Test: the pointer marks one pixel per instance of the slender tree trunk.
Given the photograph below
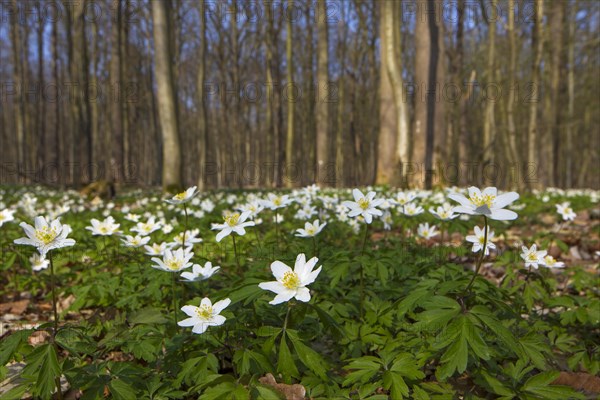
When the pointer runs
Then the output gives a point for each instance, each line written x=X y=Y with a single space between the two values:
x=289 y=144
x=202 y=122
x=570 y=98
x=322 y=115
x=489 y=122
x=513 y=155
x=171 y=174
x=56 y=136
x=41 y=110
x=116 y=145
x=18 y=81
x=532 y=131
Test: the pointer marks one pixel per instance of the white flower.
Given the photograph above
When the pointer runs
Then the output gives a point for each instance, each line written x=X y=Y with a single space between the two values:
x=183 y=197
x=200 y=273
x=403 y=198
x=135 y=241
x=363 y=205
x=310 y=230
x=550 y=262
x=566 y=211
x=44 y=236
x=191 y=237
x=292 y=283
x=254 y=207
x=411 y=210
x=173 y=261
x=204 y=316
x=156 y=249
x=132 y=217
x=275 y=201
x=6 y=216
x=103 y=228
x=387 y=220
x=532 y=257
x=478 y=240
x=233 y=223
x=146 y=228
x=39 y=262
x=425 y=231
x=445 y=212
x=487 y=203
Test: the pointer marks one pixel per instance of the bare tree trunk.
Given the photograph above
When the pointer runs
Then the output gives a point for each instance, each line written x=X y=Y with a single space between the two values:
x=322 y=115
x=570 y=98
x=393 y=144
x=202 y=123
x=289 y=144
x=171 y=174
x=18 y=81
x=56 y=137
x=116 y=145
x=532 y=131
x=489 y=123
x=41 y=110
x=513 y=155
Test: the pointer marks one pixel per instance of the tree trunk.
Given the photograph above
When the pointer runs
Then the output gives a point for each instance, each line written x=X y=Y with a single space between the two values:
x=489 y=123
x=322 y=112
x=171 y=172
x=202 y=123
x=18 y=82
x=513 y=154
x=289 y=144
x=532 y=131
x=570 y=98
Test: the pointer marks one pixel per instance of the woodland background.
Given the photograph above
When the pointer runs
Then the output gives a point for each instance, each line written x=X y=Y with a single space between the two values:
x=234 y=93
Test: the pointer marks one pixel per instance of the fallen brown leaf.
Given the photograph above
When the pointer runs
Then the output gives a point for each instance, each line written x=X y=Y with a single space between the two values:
x=579 y=381
x=291 y=392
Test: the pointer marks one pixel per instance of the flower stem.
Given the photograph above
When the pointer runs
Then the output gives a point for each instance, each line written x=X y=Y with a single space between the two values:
x=173 y=288
x=54 y=304
x=55 y=328
x=277 y=228
x=287 y=315
x=185 y=227
x=237 y=260
x=483 y=250
x=362 y=274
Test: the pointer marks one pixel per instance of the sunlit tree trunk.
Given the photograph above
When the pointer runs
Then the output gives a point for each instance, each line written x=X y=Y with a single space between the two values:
x=18 y=82
x=289 y=144
x=489 y=121
x=322 y=109
x=570 y=98
x=200 y=78
x=532 y=131
x=171 y=172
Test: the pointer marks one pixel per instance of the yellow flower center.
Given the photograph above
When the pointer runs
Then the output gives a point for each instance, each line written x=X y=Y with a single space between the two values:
x=532 y=257
x=46 y=235
x=179 y=196
x=232 y=219
x=484 y=199
x=425 y=232
x=277 y=201
x=481 y=239
x=173 y=264
x=290 y=280
x=204 y=311
x=311 y=230
x=103 y=229
x=567 y=211
x=363 y=203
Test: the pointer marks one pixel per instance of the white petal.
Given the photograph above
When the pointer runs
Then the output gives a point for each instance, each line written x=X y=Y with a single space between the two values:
x=220 y=305
x=303 y=294
x=188 y=322
x=279 y=269
x=357 y=194
x=223 y=233
x=200 y=328
x=505 y=199
x=275 y=286
x=503 y=215
x=283 y=297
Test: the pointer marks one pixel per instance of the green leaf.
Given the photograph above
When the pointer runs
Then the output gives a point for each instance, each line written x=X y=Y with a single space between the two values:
x=248 y=293
x=405 y=365
x=440 y=310
x=310 y=358
x=496 y=386
x=121 y=390
x=16 y=393
x=496 y=327
x=148 y=316
x=268 y=393
x=540 y=385
x=393 y=382
x=286 y=363
x=328 y=321
x=10 y=345
x=365 y=368
x=43 y=368
x=454 y=359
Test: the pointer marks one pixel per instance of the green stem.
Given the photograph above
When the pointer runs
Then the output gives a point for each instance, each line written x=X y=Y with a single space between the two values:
x=480 y=261
x=54 y=303
x=237 y=260
x=185 y=227
x=173 y=289
x=287 y=315
x=55 y=328
x=277 y=228
x=362 y=274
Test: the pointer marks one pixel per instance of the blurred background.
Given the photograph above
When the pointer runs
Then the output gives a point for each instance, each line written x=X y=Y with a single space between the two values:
x=243 y=94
